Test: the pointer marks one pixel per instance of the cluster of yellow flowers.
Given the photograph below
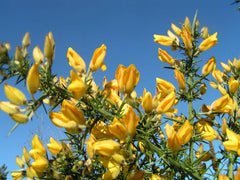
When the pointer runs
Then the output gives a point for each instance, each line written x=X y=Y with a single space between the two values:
x=112 y=132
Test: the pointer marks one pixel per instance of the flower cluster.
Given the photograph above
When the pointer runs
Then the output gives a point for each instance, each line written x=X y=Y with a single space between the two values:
x=114 y=133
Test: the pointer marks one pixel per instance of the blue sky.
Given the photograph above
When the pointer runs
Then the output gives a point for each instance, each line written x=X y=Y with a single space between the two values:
x=125 y=26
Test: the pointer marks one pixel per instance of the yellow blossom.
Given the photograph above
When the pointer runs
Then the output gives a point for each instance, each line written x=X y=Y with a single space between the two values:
x=19 y=162
x=101 y=130
x=18 y=175
x=208 y=43
x=222 y=90
x=14 y=95
x=207 y=131
x=187 y=38
x=226 y=67
x=223 y=177
x=203 y=89
x=38 y=55
x=176 y=29
x=163 y=40
x=49 y=46
x=218 y=75
x=77 y=87
x=118 y=129
x=155 y=177
x=236 y=63
x=19 y=118
x=224 y=126
x=106 y=147
x=54 y=147
x=205 y=156
x=127 y=78
x=9 y=107
x=164 y=87
x=25 y=156
x=76 y=61
x=37 y=148
x=166 y=103
x=187 y=23
x=40 y=163
x=204 y=32
x=180 y=79
x=26 y=41
x=182 y=136
x=233 y=85
x=33 y=80
x=90 y=151
x=232 y=144
x=165 y=57
x=209 y=66
x=147 y=101
x=223 y=104
x=97 y=58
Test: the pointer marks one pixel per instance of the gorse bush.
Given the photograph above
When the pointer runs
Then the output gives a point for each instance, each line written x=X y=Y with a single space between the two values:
x=113 y=133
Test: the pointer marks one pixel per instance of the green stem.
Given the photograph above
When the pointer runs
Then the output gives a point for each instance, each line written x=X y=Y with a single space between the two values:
x=230 y=166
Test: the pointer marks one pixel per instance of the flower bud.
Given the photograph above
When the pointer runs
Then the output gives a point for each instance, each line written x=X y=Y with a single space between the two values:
x=166 y=103
x=19 y=162
x=25 y=156
x=14 y=95
x=165 y=57
x=204 y=32
x=222 y=89
x=147 y=101
x=219 y=104
x=236 y=63
x=180 y=79
x=97 y=58
x=187 y=23
x=33 y=81
x=38 y=55
x=18 y=175
x=203 y=89
x=226 y=67
x=49 y=46
x=9 y=108
x=224 y=126
x=40 y=164
x=19 y=118
x=208 y=43
x=18 y=56
x=209 y=66
x=131 y=121
x=26 y=40
x=76 y=61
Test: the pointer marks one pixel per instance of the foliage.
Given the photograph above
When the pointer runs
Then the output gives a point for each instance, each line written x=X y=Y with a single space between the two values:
x=111 y=132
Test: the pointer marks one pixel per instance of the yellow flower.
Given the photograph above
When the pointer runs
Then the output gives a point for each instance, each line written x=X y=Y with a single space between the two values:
x=166 y=103
x=204 y=32
x=180 y=79
x=118 y=129
x=49 y=46
x=38 y=55
x=207 y=131
x=25 y=156
x=223 y=177
x=203 y=89
x=76 y=61
x=147 y=101
x=218 y=75
x=165 y=57
x=9 y=108
x=40 y=163
x=208 y=43
x=226 y=67
x=209 y=66
x=77 y=87
x=106 y=147
x=155 y=177
x=112 y=166
x=176 y=29
x=26 y=41
x=14 y=95
x=19 y=162
x=233 y=85
x=222 y=90
x=97 y=58
x=127 y=78
x=187 y=38
x=20 y=118
x=101 y=130
x=33 y=80
x=163 y=40
x=131 y=121
x=232 y=144
x=187 y=23
x=223 y=104
x=236 y=63
x=164 y=87
x=224 y=126
x=182 y=136
x=18 y=175
x=54 y=147
x=37 y=148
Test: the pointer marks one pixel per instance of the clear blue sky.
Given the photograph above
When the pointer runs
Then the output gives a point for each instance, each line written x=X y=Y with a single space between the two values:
x=125 y=26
